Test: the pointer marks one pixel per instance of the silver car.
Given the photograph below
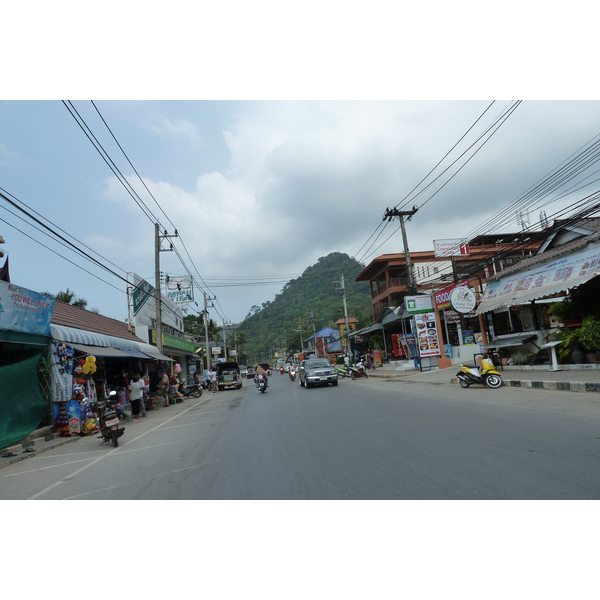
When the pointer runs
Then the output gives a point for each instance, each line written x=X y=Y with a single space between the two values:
x=317 y=371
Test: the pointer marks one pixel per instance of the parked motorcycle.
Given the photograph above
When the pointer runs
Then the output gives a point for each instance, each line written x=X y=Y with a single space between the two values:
x=108 y=420
x=190 y=391
x=486 y=375
x=343 y=371
x=262 y=384
x=357 y=371
x=292 y=373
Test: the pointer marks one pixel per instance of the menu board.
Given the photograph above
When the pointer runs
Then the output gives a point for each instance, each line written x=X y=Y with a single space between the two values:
x=428 y=341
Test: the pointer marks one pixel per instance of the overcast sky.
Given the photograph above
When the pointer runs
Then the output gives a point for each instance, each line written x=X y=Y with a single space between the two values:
x=262 y=189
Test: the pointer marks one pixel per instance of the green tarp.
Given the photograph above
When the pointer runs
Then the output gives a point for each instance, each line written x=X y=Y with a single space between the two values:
x=22 y=404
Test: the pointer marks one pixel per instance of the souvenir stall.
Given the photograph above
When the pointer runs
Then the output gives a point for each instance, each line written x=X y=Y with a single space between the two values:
x=83 y=375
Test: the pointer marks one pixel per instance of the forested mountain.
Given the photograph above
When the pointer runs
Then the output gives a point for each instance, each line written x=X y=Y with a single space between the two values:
x=275 y=325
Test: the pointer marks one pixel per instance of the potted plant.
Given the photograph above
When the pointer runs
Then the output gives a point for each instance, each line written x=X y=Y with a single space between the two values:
x=589 y=337
x=571 y=345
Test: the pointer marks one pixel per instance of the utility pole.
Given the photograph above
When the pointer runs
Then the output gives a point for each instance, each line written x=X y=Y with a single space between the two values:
x=157 y=293
x=344 y=294
x=312 y=320
x=206 y=305
x=390 y=213
x=225 y=323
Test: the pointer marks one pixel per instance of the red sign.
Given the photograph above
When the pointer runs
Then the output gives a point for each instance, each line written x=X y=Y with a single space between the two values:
x=442 y=298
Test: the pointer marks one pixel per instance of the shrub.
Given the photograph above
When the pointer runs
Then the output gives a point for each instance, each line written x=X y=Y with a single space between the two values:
x=589 y=334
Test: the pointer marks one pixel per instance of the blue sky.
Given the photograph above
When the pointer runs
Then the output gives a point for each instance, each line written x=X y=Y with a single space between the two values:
x=259 y=190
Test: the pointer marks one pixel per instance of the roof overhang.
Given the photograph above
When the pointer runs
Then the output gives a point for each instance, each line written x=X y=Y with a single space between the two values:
x=549 y=279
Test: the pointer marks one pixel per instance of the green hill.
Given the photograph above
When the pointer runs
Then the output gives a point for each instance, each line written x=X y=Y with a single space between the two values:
x=273 y=327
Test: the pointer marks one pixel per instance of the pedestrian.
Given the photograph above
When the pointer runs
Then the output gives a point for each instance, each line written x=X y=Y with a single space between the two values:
x=163 y=387
x=145 y=388
x=212 y=379
x=136 y=390
x=370 y=360
x=346 y=361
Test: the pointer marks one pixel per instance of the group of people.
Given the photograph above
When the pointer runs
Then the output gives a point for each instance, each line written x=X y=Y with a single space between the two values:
x=366 y=361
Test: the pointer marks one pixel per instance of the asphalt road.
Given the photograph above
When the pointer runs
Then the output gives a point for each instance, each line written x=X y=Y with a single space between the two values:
x=365 y=439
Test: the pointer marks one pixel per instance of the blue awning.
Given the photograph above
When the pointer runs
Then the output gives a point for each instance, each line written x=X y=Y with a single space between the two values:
x=89 y=338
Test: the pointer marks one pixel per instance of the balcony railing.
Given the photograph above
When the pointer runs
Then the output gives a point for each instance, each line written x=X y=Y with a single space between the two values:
x=392 y=283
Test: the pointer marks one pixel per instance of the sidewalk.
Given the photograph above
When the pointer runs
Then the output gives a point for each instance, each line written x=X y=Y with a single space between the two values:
x=573 y=378
x=46 y=439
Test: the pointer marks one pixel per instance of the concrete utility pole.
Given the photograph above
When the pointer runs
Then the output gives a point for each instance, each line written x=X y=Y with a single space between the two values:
x=312 y=320
x=157 y=293
x=206 y=305
x=225 y=323
x=344 y=294
x=390 y=213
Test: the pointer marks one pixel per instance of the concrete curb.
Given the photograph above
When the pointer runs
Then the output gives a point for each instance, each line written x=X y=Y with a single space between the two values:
x=563 y=386
x=34 y=447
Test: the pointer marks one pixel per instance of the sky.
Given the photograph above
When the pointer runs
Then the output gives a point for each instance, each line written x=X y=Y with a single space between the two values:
x=258 y=190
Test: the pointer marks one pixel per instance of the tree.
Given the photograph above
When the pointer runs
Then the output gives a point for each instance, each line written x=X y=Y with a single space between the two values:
x=69 y=297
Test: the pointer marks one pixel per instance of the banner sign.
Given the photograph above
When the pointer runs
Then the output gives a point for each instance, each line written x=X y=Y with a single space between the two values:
x=140 y=294
x=180 y=289
x=24 y=310
x=62 y=372
x=427 y=334
x=546 y=280
x=418 y=304
x=457 y=247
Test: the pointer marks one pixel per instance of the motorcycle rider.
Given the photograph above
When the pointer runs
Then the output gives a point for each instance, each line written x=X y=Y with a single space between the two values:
x=260 y=371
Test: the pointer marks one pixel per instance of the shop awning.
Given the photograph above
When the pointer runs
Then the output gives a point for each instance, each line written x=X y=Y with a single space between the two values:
x=549 y=279
x=366 y=330
x=158 y=356
x=72 y=335
x=100 y=351
x=507 y=341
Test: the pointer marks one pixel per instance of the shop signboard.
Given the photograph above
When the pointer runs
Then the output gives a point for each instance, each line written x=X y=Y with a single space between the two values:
x=24 y=310
x=180 y=289
x=418 y=304
x=442 y=298
x=454 y=247
x=216 y=349
x=463 y=299
x=141 y=292
x=428 y=341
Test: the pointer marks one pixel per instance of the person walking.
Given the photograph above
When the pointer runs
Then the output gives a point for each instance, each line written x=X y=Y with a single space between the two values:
x=136 y=387
x=163 y=387
x=370 y=360
x=212 y=379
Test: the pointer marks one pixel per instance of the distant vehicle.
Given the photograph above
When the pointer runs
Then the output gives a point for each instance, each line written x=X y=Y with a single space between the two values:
x=249 y=372
x=317 y=371
x=228 y=375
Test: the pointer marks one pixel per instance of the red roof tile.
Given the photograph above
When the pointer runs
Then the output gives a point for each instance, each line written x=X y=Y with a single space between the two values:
x=79 y=318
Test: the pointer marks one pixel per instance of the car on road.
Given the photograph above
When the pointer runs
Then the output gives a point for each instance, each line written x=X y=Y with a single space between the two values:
x=228 y=375
x=316 y=371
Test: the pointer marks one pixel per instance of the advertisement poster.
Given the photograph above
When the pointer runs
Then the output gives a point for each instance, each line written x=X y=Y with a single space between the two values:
x=428 y=340
x=24 y=310
x=62 y=372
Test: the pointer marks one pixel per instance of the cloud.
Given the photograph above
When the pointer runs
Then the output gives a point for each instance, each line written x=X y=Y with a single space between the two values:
x=178 y=128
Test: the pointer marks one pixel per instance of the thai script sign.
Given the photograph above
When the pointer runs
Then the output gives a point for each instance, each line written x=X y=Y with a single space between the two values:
x=24 y=310
x=455 y=247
